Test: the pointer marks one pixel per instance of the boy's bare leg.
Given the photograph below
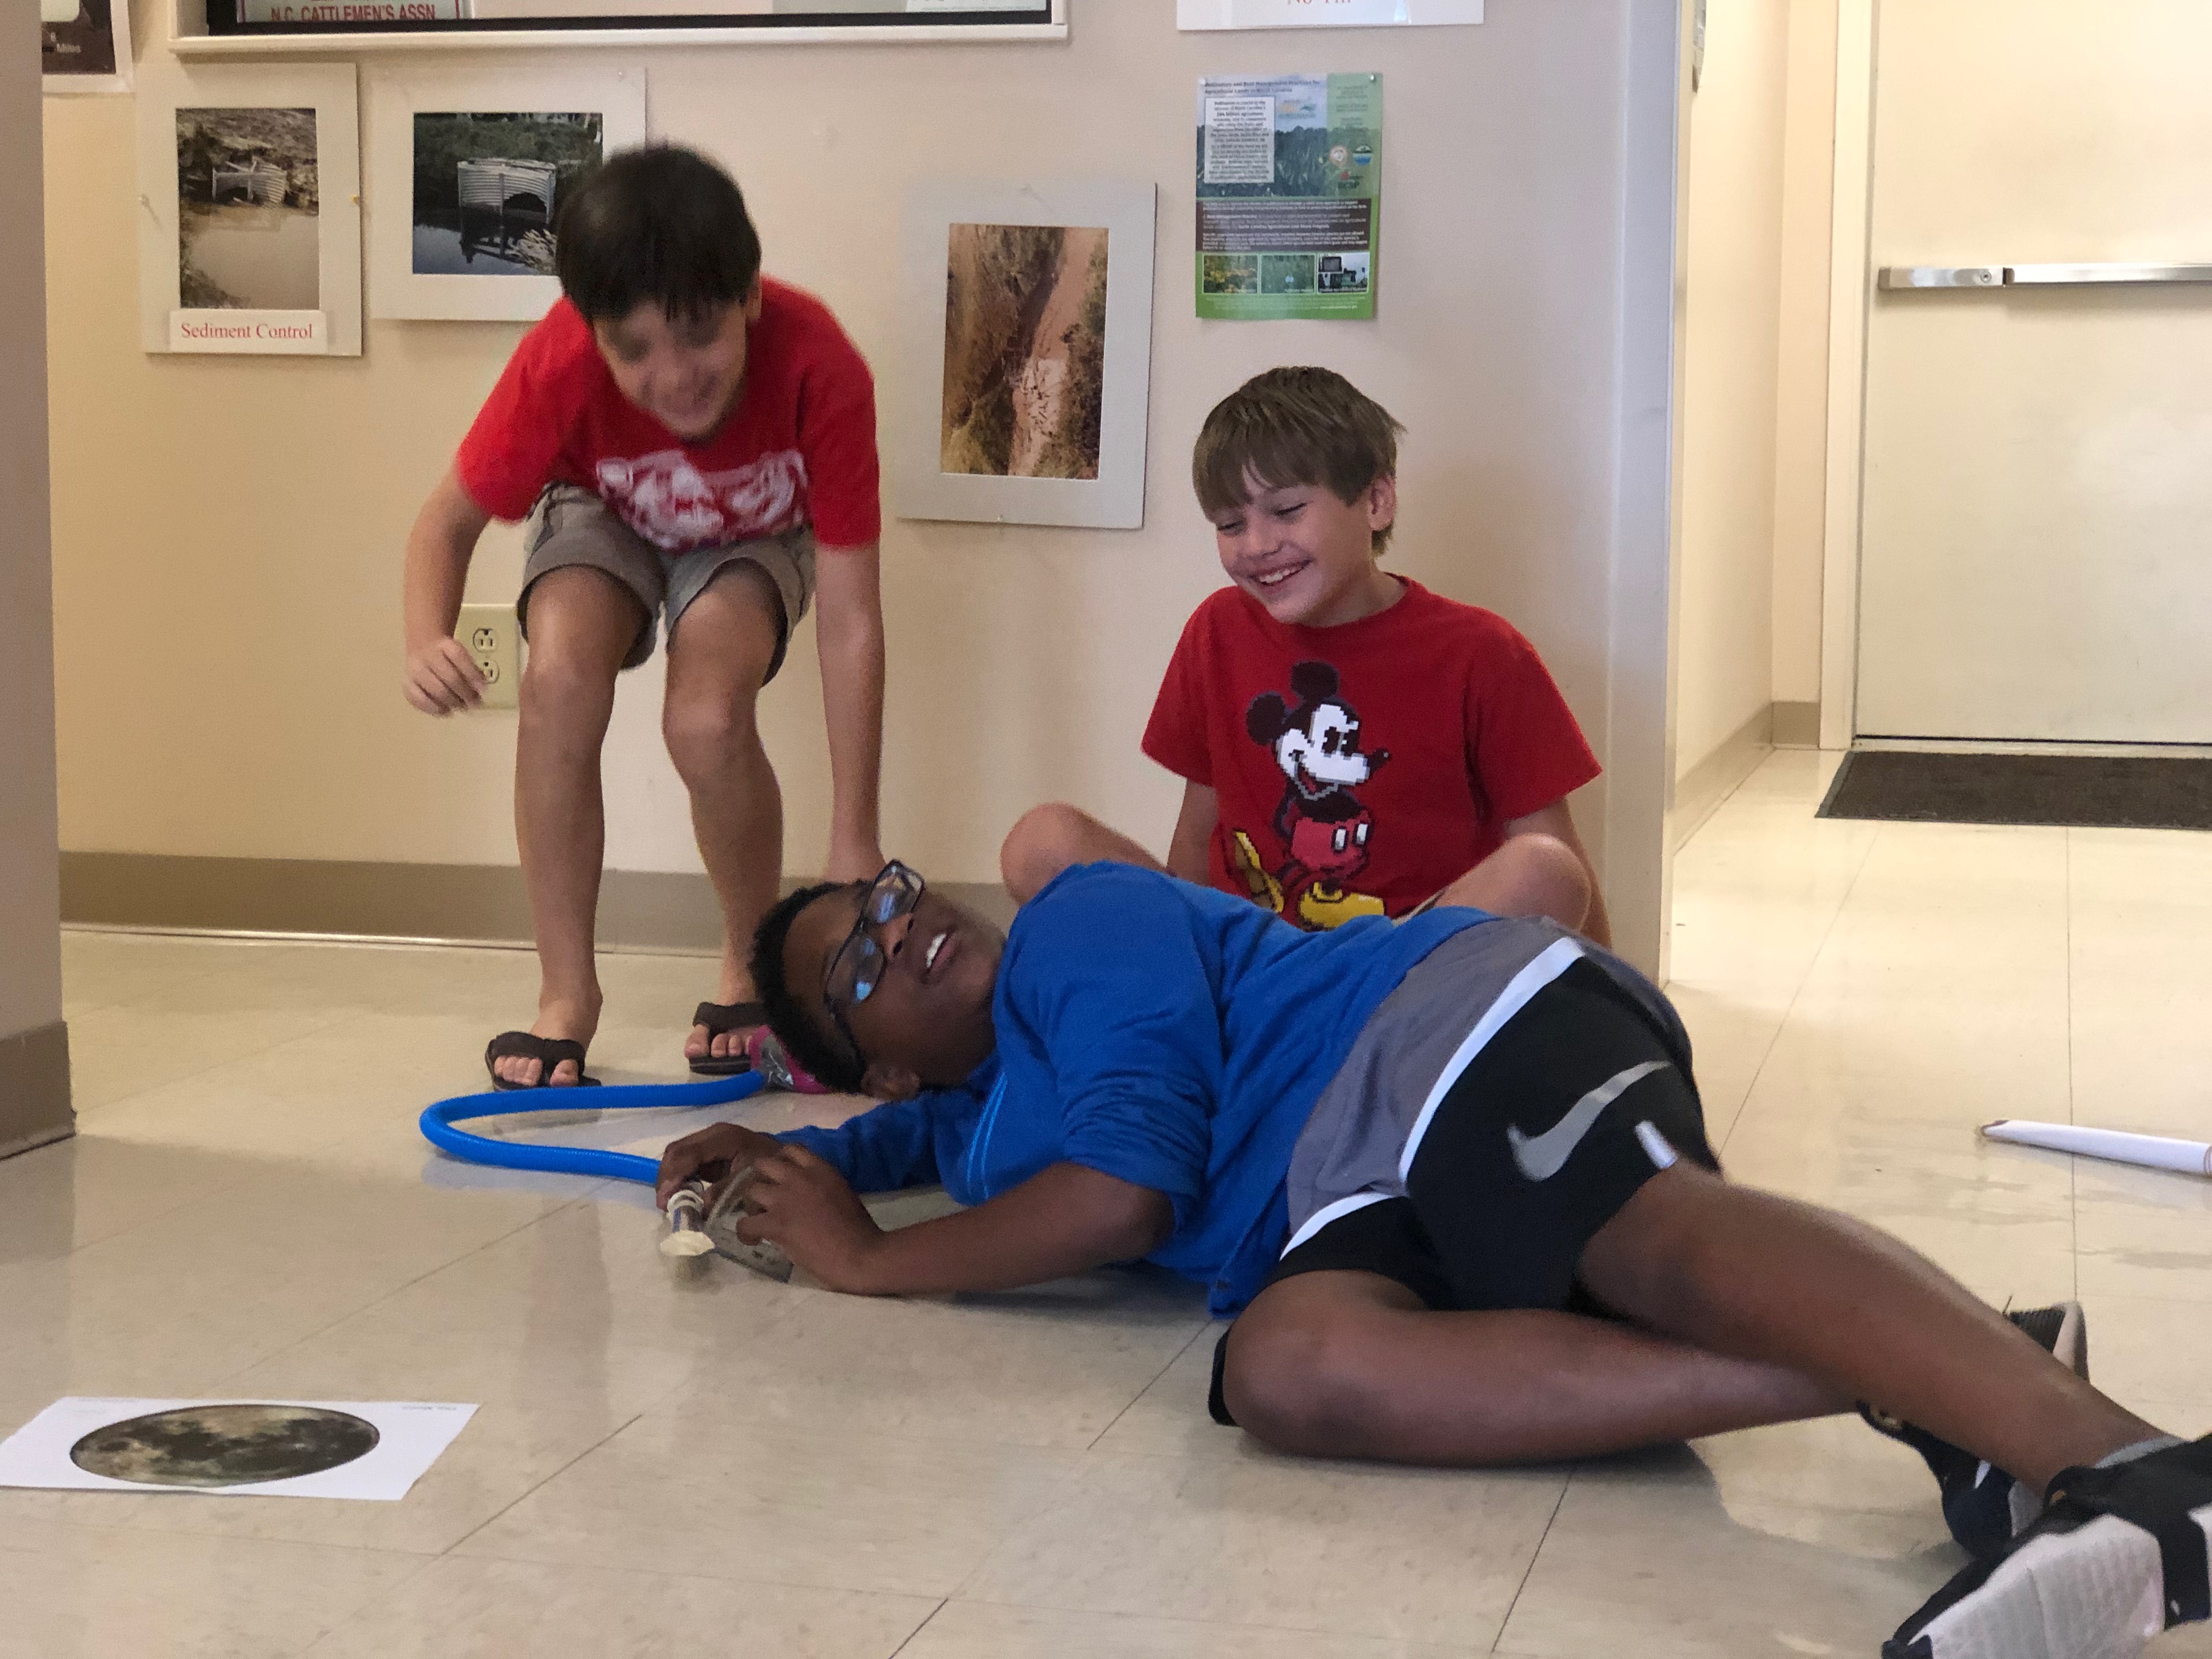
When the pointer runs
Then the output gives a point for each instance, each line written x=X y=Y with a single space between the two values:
x=1048 y=839
x=582 y=624
x=1767 y=1279
x=1531 y=875
x=717 y=661
x=1353 y=1365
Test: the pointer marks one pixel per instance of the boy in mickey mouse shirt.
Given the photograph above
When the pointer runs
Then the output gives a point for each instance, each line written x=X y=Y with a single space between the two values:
x=1351 y=743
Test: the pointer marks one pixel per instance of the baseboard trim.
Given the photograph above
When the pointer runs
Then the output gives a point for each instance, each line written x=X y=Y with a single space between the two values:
x=471 y=904
x=34 y=1089
x=1701 y=790
x=1796 y=726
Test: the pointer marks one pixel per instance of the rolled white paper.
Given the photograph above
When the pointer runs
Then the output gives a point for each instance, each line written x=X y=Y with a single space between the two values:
x=2151 y=1152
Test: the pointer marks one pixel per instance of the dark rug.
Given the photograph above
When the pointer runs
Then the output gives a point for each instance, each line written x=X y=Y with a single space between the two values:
x=2134 y=793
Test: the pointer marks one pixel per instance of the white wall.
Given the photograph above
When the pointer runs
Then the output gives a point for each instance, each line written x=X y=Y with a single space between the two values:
x=1800 y=412
x=228 y=530
x=1731 y=347
x=30 y=944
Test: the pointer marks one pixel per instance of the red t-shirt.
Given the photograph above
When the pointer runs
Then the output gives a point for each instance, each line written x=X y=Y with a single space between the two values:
x=799 y=448
x=1363 y=767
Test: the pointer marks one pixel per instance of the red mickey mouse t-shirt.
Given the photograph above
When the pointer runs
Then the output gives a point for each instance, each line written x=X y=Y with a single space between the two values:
x=1362 y=767
x=799 y=447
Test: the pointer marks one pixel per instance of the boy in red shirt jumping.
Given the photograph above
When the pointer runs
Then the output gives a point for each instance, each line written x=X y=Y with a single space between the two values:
x=1351 y=743
x=691 y=439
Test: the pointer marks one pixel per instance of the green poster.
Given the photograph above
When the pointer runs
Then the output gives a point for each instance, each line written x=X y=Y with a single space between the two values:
x=1290 y=175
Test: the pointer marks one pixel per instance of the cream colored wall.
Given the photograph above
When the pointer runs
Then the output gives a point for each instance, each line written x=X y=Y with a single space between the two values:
x=30 y=941
x=1730 y=345
x=228 y=530
x=1801 y=404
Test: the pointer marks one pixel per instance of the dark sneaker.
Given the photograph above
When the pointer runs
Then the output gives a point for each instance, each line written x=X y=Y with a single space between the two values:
x=1979 y=1501
x=2119 y=1555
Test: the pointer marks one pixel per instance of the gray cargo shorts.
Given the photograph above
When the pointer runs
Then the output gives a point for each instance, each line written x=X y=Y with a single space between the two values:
x=572 y=526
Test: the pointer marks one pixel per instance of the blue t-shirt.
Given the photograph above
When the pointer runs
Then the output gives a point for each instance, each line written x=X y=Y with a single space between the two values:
x=1165 y=1034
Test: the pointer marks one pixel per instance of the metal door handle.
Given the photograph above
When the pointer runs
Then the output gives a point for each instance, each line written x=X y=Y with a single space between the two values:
x=1904 y=276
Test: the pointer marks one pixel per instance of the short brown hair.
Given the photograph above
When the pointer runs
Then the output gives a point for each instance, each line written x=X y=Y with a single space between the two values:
x=1289 y=427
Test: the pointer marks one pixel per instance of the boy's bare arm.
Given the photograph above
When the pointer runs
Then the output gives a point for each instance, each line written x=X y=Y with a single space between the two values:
x=1065 y=1219
x=1190 y=852
x=1556 y=821
x=849 y=639
x=441 y=677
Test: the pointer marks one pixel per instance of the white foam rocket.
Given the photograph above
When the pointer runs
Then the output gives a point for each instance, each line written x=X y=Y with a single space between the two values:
x=2148 y=1151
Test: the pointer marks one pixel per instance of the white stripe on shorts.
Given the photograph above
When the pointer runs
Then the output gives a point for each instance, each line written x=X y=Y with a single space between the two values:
x=1328 y=1212
x=1556 y=959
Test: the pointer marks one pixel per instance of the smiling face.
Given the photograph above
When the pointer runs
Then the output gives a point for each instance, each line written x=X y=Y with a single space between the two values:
x=1324 y=756
x=1306 y=554
x=928 y=1023
x=685 y=372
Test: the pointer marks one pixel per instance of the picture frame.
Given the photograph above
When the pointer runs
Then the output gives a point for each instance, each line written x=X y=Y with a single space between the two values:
x=466 y=171
x=84 y=46
x=249 y=236
x=1026 y=390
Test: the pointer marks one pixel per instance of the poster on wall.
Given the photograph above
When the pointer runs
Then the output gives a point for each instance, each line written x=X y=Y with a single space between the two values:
x=84 y=46
x=250 y=229
x=1027 y=339
x=1290 y=174
x=467 y=171
x=1322 y=14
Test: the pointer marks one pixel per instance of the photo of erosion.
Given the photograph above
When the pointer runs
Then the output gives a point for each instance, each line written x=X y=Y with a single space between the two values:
x=1024 y=350
x=247 y=201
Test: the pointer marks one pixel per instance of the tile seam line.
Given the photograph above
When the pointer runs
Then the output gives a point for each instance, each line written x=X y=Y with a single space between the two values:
x=1505 y=1620
x=1797 y=991
x=927 y=1619
x=372 y=1604
x=379 y=1301
x=1195 y=1336
x=539 y=1486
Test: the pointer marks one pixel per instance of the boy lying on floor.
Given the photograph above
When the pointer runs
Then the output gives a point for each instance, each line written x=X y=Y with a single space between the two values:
x=1454 y=1173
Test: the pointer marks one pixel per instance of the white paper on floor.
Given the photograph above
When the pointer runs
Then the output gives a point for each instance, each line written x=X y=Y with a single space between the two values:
x=373 y=1449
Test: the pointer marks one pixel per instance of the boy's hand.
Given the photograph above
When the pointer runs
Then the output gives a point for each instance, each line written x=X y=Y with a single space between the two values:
x=709 y=1155
x=442 y=677
x=802 y=1206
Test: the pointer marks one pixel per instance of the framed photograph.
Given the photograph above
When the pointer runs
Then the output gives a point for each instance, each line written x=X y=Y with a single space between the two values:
x=467 y=170
x=1028 y=333
x=249 y=233
x=84 y=46
x=280 y=25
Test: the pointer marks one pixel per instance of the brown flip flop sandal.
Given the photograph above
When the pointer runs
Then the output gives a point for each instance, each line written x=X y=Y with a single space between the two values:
x=720 y=1016
x=550 y=1050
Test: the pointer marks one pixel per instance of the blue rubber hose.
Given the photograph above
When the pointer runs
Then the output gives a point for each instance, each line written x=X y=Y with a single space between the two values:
x=438 y=1121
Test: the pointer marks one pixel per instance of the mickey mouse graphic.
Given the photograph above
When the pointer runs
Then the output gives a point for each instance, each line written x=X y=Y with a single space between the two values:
x=1315 y=744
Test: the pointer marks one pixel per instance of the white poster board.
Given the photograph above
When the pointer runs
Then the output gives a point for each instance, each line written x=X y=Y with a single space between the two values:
x=1322 y=14
x=429 y=256
x=249 y=223
x=1026 y=389
x=374 y=1451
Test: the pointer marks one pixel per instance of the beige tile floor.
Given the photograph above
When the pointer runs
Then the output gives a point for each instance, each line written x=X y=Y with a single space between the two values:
x=667 y=1465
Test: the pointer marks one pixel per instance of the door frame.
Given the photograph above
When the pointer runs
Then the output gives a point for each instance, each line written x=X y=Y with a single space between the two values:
x=1850 y=297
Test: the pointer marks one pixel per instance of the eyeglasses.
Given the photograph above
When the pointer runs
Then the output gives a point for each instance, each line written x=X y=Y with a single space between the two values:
x=858 y=968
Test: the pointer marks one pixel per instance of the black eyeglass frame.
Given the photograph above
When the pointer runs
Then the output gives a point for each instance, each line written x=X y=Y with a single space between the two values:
x=906 y=886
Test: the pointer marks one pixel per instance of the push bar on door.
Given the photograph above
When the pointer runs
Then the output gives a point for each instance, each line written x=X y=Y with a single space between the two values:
x=1902 y=276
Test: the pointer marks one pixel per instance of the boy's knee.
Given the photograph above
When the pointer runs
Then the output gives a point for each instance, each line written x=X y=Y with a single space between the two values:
x=1299 y=1385
x=705 y=735
x=565 y=688
x=1044 y=841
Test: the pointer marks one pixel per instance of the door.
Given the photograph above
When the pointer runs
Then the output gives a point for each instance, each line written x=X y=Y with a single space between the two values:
x=2036 y=538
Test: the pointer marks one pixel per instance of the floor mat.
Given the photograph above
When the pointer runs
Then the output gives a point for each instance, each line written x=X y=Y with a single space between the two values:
x=2129 y=793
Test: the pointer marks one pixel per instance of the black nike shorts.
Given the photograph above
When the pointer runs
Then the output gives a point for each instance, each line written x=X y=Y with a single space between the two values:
x=1578 y=1101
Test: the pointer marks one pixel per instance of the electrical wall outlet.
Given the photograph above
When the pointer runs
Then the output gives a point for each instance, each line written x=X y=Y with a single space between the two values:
x=492 y=637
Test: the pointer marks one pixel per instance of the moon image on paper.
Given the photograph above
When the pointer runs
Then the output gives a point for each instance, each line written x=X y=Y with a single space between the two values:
x=224 y=1445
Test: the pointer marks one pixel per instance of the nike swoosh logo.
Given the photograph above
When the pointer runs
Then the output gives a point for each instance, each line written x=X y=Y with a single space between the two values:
x=1541 y=1157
